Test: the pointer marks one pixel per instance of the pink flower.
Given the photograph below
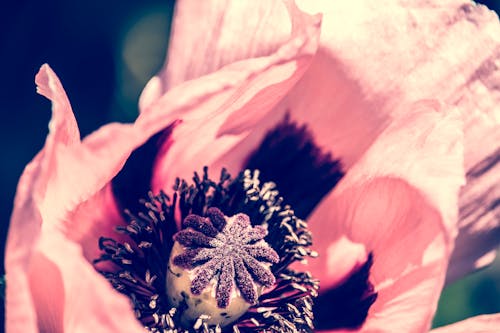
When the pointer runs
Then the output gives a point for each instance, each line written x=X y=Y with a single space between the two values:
x=232 y=78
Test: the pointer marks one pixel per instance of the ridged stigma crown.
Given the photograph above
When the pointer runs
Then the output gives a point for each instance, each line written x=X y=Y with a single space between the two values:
x=219 y=265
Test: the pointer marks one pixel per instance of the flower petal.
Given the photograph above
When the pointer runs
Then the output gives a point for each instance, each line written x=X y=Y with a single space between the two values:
x=20 y=314
x=386 y=215
x=25 y=221
x=374 y=58
x=89 y=303
x=226 y=105
x=479 y=225
x=63 y=124
x=392 y=52
x=479 y=324
x=219 y=37
x=400 y=202
x=40 y=258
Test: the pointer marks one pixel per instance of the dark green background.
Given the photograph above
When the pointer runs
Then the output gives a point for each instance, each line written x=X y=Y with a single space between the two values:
x=104 y=52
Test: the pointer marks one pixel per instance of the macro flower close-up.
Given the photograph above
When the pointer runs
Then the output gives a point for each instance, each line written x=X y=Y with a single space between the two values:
x=295 y=166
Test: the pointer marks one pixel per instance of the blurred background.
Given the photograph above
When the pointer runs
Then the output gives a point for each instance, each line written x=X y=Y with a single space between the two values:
x=104 y=52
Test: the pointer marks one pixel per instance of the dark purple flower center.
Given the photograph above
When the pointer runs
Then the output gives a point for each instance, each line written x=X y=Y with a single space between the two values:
x=289 y=157
x=140 y=265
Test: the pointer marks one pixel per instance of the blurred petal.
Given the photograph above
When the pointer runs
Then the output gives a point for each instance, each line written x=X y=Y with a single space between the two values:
x=479 y=227
x=226 y=105
x=20 y=314
x=219 y=37
x=479 y=324
x=400 y=202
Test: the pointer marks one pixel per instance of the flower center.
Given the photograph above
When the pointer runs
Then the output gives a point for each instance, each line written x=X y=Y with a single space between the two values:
x=226 y=260
x=229 y=246
x=228 y=264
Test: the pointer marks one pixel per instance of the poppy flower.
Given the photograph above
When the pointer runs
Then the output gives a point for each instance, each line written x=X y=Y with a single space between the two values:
x=305 y=112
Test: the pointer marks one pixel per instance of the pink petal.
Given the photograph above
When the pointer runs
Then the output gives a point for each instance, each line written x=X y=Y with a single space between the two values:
x=43 y=266
x=20 y=315
x=373 y=58
x=404 y=231
x=479 y=225
x=226 y=105
x=479 y=324
x=400 y=202
x=63 y=125
x=63 y=202
x=94 y=218
x=397 y=52
x=88 y=304
x=340 y=256
x=265 y=27
x=238 y=31
x=25 y=221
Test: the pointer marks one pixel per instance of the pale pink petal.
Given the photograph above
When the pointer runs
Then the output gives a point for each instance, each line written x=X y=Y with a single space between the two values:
x=345 y=120
x=225 y=106
x=63 y=125
x=96 y=217
x=373 y=58
x=405 y=233
x=43 y=266
x=89 y=303
x=391 y=52
x=479 y=226
x=225 y=32
x=341 y=254
x=400 y=202
x=87 y=172
x=20 y=314
x=25 y=221
x=479 y=324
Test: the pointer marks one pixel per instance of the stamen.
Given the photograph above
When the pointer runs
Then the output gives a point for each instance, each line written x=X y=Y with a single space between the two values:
x=267 y=234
